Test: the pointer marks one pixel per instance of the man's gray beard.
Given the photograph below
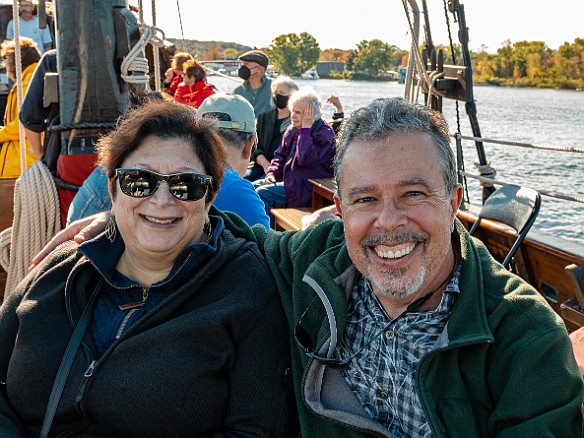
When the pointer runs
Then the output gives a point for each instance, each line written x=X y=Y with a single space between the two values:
x=398 y=287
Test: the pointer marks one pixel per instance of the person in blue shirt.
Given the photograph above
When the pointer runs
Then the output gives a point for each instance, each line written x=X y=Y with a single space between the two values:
x=29 y=27
x=237 y=128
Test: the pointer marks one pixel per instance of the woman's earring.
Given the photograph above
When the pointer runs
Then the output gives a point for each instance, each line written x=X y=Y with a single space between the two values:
x=110 y=229
x=452 y=228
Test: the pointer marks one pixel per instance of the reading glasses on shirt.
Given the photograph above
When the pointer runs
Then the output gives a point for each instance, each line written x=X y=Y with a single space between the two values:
x=184 y=186
x=304 y=341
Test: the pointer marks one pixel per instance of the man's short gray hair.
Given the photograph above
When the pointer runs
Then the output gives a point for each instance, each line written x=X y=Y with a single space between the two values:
x=383 y=118
x=233 y=138
x=308 y=94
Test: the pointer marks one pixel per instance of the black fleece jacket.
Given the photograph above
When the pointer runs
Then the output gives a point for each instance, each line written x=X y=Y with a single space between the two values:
x=211 y=360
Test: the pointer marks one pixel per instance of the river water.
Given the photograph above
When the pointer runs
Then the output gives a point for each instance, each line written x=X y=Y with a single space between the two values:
x=535 y=116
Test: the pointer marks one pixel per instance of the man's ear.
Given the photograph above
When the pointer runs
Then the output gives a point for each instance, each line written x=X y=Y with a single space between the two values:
x=249 y=147
x=338 y=204
x=455 y=199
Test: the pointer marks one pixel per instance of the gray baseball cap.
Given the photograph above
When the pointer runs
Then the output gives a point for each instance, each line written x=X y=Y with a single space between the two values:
x=230 y=110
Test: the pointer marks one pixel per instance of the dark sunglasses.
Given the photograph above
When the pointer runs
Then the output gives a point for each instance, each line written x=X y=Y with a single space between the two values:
x=304 y=341
x=141 y=183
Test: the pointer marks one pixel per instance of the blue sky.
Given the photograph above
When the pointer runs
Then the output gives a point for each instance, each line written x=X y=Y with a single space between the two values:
x=343 y=23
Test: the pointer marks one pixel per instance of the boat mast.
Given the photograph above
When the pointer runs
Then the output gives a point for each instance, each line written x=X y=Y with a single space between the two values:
x=470 y=104
x=92 y=37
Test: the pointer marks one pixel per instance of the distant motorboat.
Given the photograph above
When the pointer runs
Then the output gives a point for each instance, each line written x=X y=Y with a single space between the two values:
x=310 y=74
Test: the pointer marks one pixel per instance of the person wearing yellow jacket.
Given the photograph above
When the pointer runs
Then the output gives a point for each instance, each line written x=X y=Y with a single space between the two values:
x=9 y=133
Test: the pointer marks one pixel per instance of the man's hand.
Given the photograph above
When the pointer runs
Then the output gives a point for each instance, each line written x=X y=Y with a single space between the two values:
x=269 y=180
x=81 y=230
x=263 y=161
x=319 y=216
x=169 y=75
x=308 y=117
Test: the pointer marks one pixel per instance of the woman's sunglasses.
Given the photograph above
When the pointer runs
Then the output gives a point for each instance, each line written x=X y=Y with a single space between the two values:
x=141 y=183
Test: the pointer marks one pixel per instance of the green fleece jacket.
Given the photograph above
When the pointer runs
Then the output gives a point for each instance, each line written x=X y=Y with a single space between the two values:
x=504 y=366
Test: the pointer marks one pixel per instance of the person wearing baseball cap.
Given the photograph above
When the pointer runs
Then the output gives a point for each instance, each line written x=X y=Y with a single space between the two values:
x=256 y=87
x=236 y=125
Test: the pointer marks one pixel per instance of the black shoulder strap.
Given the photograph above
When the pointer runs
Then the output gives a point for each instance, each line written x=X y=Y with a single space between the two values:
x=67 y=362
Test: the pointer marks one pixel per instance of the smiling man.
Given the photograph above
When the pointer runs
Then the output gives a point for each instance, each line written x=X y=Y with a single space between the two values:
x=405 y=326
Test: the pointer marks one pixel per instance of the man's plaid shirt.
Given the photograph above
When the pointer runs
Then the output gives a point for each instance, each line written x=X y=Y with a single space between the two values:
x=383 y=375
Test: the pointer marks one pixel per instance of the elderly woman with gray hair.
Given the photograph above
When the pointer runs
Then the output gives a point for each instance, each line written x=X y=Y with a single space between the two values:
x=307 y=151
x=271 y=127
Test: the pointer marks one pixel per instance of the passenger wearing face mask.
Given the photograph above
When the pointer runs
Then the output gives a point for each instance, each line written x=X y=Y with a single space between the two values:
x=271 y=127
x=256 y=86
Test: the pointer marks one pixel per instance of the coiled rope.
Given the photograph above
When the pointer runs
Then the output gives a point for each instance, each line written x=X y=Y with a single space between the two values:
x=543 y=192
x=36 y=220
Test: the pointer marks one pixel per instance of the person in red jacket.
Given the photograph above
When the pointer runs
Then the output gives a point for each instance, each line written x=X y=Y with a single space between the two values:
x=174 y=75
x=194 y=88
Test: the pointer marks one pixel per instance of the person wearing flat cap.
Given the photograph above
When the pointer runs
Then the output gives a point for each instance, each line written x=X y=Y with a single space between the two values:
x=256 y=87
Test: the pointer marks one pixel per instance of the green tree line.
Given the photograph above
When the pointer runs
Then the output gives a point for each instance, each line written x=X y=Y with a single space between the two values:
x=522 y=64
x=532 y=64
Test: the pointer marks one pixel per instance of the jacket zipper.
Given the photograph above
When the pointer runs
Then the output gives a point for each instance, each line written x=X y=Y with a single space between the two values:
x=134 y=308
x=88 y=373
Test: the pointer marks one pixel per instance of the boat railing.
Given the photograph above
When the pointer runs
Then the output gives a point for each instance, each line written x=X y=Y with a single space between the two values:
x=547 y=193
x=488 y=181
x=521 y=144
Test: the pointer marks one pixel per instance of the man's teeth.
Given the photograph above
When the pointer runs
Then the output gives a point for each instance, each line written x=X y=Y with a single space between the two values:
x=159 y=221
x=395 y=254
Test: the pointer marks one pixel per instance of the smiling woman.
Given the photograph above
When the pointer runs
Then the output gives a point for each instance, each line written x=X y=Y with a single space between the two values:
x=175 y=342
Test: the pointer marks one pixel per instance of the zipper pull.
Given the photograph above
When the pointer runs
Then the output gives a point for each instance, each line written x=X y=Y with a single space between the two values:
x=136 y=304
x=89 y=371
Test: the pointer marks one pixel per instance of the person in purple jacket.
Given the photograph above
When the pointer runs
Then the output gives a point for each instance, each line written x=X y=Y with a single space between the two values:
x=307 y=151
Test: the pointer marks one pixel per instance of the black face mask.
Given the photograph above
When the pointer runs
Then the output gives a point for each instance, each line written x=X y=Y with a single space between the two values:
x=281 y=101
x=244 y=72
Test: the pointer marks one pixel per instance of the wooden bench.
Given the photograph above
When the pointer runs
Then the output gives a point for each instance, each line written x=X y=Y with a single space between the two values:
x=289 y=219
x=322 y=192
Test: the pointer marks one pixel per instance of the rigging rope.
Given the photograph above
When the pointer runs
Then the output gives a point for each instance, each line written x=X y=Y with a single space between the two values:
x=523 y=145
x=19 y=96
x=543 y=192
x=181 y=26
x=156 y=52
x=36 y=220
x=415 y=63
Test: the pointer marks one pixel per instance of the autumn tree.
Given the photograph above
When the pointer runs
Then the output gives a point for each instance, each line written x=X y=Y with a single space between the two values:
x=399 y=57
x=334 y=55
x=213 y=53
x=230 y=53
x=293 y=53
x=373 y=57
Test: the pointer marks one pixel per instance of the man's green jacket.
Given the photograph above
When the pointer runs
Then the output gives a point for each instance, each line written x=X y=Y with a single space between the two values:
x=503 y=366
